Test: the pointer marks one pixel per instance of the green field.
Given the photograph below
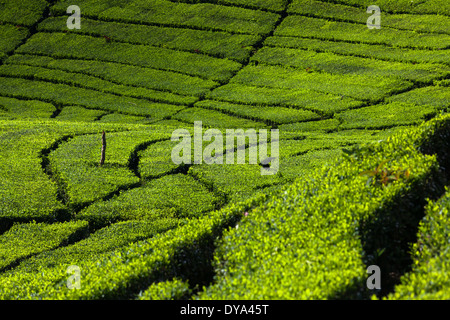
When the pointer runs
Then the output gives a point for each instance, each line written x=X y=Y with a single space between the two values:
x=364 y=149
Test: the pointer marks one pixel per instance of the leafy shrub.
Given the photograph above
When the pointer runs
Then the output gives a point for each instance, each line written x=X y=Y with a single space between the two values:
x=99 y=243
x=91 y=48
x=171 y=196
x=167 y=290
x=120 y=73
x=25 y=240
x=322 y=257
x=351 y=85
x=219 y=44
x=377 y=51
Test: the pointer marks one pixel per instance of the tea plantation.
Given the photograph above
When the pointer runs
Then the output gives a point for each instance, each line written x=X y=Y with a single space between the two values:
x=364 y=149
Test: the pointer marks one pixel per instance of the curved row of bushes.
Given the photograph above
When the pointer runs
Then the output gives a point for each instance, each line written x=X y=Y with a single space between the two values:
x=304 y=242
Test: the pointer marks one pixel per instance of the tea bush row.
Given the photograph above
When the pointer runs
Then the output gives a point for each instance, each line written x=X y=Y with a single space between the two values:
x=355 y=86
x=68 y=95
x=24 y=240
x=120 y=74
x=76 y=164
x=93 y=48
x=338 y=64
x=377 y=51
x=307 y=27
x=334 y=11
x=204 y=16
x=322 y=256
x=215 y=43
x=92 y=83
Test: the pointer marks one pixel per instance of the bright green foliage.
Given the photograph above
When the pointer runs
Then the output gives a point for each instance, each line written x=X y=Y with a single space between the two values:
x=429 y=6
x=436 y=96
x=219 y=44
x=237 y=181
x=303 y=97
x=349 y=189
x=27 y=192
x=91 y=48
x=90 y=82
x=385 y=115
x=99 y=243
x=294 y=129
x=22 y=12
x=168 y=290
x=156 y=159
x=338 y=64
x=124 y=118
x=76 y=164
x=68 y=95
x=203 y=15
x=214 y=119
x=377 y=51
x=111 y=276
x=299 y=26
x=351 y=85
x=124 y=74
x=429 y=278
x=11 y=37
x=268 y=114
x=11 y=108
x=415 y=22
x=76 y=113
x=25 y=240
x=171 y=196
x=322 y=257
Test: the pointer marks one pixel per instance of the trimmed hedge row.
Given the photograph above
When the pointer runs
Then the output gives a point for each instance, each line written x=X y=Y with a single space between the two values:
x=172 y=196
x=430 y=6
x=269 y=114
x=299 y=26
x=22 y=12
x=122 y=74
x=11 y=108
x=175 y=289
x=91 y=48
x=127 y=271
x=25 y=240
x=376 y=51
x=237 y=181
x=27 y=192
x=219 y=44
x=298 y=97
x=215 y=119
x=356 y=86
x=11 y=37
x=92 y=83
x=68 y=95
x=429 y=278
x=414 y=22
x=338 y=64
x=203 y=16
x=79 y=114
x=75 y=164
x=324 y=253
x=265 y=257
x=100 y=243
x=397 y=113
x=271 y=5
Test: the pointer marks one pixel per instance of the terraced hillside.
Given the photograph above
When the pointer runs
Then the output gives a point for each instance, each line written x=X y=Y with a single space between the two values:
x=363 y=123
